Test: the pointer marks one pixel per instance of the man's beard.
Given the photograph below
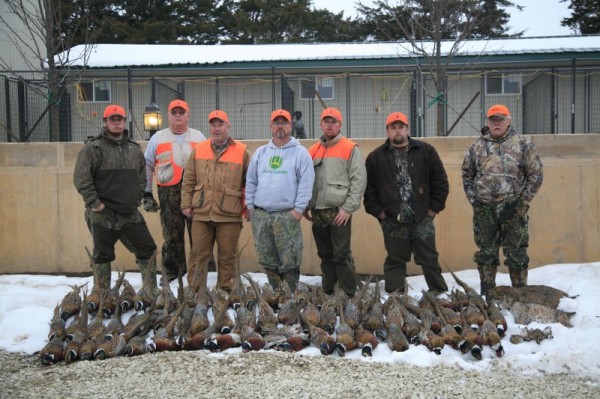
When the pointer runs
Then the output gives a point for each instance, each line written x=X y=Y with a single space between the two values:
x=398 y=140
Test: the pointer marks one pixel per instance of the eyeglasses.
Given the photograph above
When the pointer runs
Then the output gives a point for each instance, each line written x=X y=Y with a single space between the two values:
x=116 y=119
x=175 y=112
x=282 y=123
x=497 y=119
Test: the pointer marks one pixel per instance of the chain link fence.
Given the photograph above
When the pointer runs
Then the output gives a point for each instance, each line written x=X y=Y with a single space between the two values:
x=542 y=101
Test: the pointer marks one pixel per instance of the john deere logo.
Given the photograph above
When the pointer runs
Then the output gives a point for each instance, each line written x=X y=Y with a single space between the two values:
x=276 y=162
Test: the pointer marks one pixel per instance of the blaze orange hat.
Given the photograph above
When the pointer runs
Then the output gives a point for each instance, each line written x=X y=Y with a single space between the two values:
x=281 y=112
x=396 y=117
x=114 y=110
x=498 y=109
x=178 y=104
x=332 y=113
x=218 y=114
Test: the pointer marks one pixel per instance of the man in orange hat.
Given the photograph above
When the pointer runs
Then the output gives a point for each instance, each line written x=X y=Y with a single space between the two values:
x=501 y=174
x=166 y=155
x=340 y=181
x=407 y=187
x=279 y=185
x=110 y=175
x=212 y=194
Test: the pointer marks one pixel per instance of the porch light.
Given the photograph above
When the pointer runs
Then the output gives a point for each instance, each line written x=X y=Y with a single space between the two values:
x=152 y=118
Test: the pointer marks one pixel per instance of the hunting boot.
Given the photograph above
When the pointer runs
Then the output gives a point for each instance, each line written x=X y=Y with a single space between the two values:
x=102 y=280
x=487 y=275
x=518 y=277
x=292 y=279
x=274 y=278
x=148 y=270
x=101 y=275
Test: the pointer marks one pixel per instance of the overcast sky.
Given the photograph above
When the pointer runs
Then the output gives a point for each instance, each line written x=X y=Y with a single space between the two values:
x=539 y=18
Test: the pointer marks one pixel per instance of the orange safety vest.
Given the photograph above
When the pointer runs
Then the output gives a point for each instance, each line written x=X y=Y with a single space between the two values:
x=343 y=149
x=234 y=152
x=168 y=170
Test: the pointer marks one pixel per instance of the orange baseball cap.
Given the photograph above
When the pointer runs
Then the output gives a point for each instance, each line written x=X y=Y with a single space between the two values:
x=218 y=114
x=281 y=112
x=332 y=113
x=114 y=110
x=396 y=117
x=178 y=104
x=498 y=109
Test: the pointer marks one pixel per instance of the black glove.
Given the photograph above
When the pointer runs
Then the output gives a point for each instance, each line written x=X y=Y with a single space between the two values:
x=149 y=203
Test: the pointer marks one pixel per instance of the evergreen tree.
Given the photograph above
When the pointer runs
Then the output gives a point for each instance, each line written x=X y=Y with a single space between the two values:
x=432 y=19
x=585 y=17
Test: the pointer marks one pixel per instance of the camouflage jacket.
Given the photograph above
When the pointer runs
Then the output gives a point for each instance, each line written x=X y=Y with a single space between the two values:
x=112 y=172
x=501 y=170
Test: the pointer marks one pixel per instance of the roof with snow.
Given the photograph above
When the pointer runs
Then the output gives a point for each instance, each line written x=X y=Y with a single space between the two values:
x=148 y=55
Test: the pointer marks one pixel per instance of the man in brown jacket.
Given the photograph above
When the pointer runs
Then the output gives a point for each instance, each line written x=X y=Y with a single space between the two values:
x=212 y=194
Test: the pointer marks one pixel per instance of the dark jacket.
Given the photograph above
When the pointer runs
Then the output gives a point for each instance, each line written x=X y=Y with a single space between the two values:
x=427 y=174
x=111 y=172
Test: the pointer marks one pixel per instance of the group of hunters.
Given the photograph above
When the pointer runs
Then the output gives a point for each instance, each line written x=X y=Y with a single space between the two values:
x=209 y=186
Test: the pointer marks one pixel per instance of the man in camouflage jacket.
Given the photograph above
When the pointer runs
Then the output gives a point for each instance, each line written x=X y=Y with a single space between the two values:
x=110 y=175
x=501 y=174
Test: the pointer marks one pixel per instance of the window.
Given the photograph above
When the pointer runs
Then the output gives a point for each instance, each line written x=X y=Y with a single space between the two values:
x=324 y=86
x=96 y=91
x=503 y=83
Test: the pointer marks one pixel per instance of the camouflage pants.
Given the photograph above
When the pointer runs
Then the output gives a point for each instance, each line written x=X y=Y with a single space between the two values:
x=402 y=240
x=108 y=226
x=501 y=225
x=174 y=225
x=333 y=248
x=278 y=240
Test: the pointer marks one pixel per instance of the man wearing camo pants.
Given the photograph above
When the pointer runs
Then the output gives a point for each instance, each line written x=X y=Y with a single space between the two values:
x=501 y=174
x=279 y=186
x=167 y=152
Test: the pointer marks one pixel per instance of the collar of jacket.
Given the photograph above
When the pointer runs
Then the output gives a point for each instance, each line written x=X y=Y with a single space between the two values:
x=325 y=143
x=411 y=144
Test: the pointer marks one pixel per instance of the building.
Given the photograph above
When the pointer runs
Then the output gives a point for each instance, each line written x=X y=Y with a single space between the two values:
x=551 y=85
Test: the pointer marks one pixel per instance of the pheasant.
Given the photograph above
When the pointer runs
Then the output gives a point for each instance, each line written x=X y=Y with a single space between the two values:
x=428 y=338
x=73 y=347
x=366 y=341
x=127 y=297
x=373 y=320
x=251 y=340
x=490 y=337
x=319 y=337
x=52 y=352
x=472 y=337
x=344 y=340
x=496 y=317
x=473 y=295
x=71 y=303
x=448 y=331
x=112 y=296
x=57 y=326
x=327 y=316
x=266 y=316
x=396 y=339
x=148 y=293
x=287 y=338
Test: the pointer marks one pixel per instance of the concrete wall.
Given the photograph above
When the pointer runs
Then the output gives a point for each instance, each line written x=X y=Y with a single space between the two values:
x=42 y=228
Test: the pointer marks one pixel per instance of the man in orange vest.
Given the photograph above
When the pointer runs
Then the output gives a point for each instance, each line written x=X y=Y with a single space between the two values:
x=166 y=155
x=340 y=181
x=213 y=195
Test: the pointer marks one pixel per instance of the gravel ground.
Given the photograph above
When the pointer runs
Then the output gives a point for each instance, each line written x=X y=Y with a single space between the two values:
x=268 y=375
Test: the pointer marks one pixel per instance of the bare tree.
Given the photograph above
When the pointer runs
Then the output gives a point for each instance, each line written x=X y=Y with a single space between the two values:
x=43 y=32
x=435 y=30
